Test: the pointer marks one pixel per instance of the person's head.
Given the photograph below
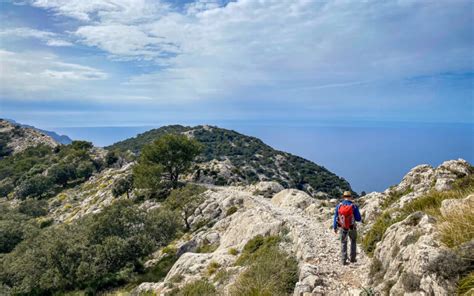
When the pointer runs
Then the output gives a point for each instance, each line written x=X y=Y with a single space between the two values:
x=347 y=195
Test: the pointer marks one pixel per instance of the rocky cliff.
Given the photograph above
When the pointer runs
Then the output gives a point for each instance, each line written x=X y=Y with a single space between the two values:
x=15 y=139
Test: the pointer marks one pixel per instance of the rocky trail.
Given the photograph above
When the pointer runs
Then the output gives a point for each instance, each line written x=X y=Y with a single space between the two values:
x=318 y=251
x=303 y=222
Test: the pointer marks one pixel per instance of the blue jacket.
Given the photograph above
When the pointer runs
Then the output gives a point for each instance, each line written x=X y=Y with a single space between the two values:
x=357 y=216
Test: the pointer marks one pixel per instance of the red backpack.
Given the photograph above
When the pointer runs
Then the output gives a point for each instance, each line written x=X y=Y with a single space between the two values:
x=345 y=216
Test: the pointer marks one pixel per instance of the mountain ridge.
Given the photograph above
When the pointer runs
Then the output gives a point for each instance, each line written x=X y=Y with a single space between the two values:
x=231 y=158
x=62 y=139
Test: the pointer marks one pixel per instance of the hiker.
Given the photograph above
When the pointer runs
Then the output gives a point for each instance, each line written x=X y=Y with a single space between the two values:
x=345 y=216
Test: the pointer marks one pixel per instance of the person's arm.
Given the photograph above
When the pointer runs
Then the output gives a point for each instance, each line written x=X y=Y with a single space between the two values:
x=334 y=225
x=357 y=215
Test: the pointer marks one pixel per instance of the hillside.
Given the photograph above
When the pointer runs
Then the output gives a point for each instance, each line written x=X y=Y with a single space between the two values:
x=61 y=139
x=64 y=231
x=15 y=139
x=230 y=158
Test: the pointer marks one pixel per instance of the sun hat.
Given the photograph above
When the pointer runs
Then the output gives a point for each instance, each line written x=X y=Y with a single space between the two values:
x=347 y=194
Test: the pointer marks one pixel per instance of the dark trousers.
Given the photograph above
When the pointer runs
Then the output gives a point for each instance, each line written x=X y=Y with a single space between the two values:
x=352 y=234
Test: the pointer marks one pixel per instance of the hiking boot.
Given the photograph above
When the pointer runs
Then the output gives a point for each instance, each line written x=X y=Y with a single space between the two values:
x=353 y=260
x=344 y=262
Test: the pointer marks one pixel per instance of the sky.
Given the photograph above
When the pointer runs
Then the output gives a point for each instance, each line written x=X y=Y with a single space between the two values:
x=76 y=63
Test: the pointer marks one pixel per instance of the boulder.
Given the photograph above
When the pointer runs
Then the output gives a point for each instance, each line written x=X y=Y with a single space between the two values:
x=450 y=205
x=292 y=198
x=267 y=188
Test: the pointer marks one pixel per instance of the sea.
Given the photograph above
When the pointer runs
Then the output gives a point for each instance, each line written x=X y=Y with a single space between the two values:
x=371 y=156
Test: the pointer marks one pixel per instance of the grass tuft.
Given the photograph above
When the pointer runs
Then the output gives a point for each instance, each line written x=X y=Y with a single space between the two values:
x=231 y=210
x=454 y=232
x=457 y=226
x=255 y=247
x=466 y=285
x=270 y=271
x=196 y=288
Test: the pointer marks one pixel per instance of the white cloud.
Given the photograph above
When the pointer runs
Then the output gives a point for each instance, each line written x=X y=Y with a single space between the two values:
x=123 y=11
x=50 y=38
x=256 y=48
x=35 y=74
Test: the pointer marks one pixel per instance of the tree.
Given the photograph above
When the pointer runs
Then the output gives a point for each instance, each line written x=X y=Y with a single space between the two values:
x=84 y=170
x=62 y=173
x=36 y=186
x=4 y=149
x=81 y=145
x=174 y=153
x=148 y=177
x=185 y=200
x=122 y=185
x=111 y=158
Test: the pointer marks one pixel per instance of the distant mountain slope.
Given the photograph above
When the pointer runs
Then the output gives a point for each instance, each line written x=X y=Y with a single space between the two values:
x=231 y=158
x=14 y=138
x=61 y=139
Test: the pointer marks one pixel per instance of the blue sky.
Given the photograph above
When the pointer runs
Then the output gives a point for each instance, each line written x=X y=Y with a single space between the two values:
x=68 y=63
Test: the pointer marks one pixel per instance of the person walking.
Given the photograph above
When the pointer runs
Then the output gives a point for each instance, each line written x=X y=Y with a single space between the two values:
x=345 y=216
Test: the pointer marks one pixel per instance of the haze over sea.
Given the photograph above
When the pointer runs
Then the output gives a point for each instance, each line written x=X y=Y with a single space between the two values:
x=370 y=155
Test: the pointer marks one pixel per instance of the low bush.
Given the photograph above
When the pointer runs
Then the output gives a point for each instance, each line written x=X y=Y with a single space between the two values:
x=233 y=251
x=256 y=246
x=207 y=248
x=212 y=267
x=394 y=197
x=453 y=231
x=231 y=210
x=457 y=226
x=375 y=234
x=196 y=288
x=466 y=284
x=158 y=271
x=98 y=252
x=270 y=271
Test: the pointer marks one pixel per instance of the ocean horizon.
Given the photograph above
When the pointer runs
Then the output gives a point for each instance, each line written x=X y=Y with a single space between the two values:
x=371 y=156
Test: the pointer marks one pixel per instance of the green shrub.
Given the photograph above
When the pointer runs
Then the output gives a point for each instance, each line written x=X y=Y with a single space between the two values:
x=430 y=203
x=394 y=197
x=466 y=284
x=457 y=226
x=233 y=251
x=196 y=288
x=212 y=267
x=158 y=271
x=207 y=248
x=375 y=234
x=98 y=252
x=33 y=208
x=186 y=200
x=231 y=210
x=270 y=272
x=256 y=246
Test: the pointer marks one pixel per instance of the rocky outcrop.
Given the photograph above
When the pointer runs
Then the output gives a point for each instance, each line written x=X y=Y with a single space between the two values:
x=20 y=138
x=411 y=260
x=419 y=181
x=292 y=198
x=88 y=198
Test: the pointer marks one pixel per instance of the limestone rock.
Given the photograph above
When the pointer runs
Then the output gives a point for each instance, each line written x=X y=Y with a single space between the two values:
x=292 y=198
x=266 y=188
x=410 y=260
x=450 y=205
x=21 y=138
